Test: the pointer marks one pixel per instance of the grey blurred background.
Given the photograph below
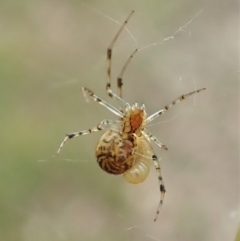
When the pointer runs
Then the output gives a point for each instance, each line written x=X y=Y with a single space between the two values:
x=49 y=50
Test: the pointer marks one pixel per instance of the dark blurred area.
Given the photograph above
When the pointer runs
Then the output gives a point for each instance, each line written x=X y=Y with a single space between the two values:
x=49 y=50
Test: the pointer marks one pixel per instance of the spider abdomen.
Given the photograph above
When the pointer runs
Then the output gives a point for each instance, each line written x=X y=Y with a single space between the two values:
x=143 y=160
x=130 y=156
x=115 y=153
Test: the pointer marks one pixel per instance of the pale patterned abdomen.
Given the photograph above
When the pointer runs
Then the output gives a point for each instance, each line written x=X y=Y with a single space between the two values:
x=114 y=153
x=130 y=156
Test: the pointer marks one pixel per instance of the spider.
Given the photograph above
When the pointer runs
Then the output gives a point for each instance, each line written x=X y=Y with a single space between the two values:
x=125 y=147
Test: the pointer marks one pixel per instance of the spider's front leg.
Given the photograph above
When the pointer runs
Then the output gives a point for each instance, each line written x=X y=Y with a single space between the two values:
x=161 y=185
x=167 y=107
x=87 y=92
x=122 y=103
x=105 y=124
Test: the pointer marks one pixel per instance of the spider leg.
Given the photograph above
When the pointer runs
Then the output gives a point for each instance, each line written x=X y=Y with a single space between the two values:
x=167 y=107
x=119 y=79
x=150 y=136
x=88 y=92
x=161 y=185
x=105 y=124
x=109 y=63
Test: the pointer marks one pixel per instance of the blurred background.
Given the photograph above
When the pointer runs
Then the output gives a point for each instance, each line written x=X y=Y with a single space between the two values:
x=49 y=50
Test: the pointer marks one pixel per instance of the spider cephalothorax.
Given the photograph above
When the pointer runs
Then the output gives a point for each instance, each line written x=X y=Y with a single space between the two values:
x=133 y=119
x=125 y=147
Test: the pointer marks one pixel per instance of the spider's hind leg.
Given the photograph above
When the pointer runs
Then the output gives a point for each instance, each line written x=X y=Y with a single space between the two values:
x=103 y=125
x=161 y=185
